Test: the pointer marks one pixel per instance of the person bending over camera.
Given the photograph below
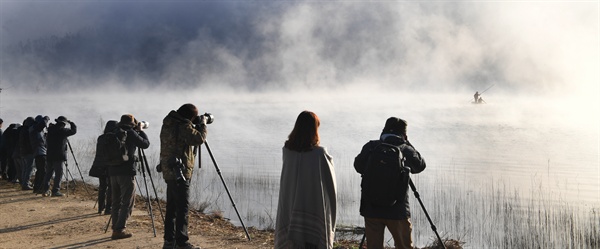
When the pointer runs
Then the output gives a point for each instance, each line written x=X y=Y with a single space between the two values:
x=379 y=209
x=122 y=177
x=180 y=132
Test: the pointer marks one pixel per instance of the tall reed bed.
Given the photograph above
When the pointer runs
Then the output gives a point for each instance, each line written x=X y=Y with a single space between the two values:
x=490 y=212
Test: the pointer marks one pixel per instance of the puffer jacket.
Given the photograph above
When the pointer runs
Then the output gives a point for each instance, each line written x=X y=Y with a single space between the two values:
x=412 y=159
x=178 y=136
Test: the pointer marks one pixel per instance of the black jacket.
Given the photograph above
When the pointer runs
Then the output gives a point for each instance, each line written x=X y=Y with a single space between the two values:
x=57 y=141
x=135 y=139
x=413 y=159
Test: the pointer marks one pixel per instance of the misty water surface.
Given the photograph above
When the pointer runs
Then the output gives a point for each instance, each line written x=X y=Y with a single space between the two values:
x=540 y=148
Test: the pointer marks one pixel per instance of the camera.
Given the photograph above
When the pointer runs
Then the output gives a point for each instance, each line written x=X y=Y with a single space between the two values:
x=208 y=116
x=143 y=125
x=177 y=166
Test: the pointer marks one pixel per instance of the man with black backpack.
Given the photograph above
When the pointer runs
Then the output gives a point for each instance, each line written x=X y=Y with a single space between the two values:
x=384 y=166
x=122 y=175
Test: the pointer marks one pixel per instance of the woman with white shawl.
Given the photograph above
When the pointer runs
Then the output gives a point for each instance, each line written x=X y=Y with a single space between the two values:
x=306 y=210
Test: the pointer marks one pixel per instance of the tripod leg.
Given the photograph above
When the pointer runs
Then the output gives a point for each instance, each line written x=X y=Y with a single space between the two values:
x=108 y=224
x=226 y=189
x=148 y=200
x=362 y=241
x=67 y=180
x=414 y=189
x=77 y=164
x=153 y=186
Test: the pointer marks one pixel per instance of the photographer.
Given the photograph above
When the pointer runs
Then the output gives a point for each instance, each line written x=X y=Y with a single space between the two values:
x=396 y=217
x=37 y=139
x=57 y=153
x=181 y=130
x=122 y=177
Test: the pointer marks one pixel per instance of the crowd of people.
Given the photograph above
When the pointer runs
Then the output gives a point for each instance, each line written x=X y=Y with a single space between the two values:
x=306 y=211
x=35 y=142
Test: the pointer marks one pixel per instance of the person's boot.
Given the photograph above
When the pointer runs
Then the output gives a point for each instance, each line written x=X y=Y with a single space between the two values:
x=121 y=235
x=169 y=245
x=57 y=194
x=187 y=245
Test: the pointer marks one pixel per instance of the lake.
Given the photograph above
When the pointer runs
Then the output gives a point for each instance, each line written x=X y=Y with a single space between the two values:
x=489 y=166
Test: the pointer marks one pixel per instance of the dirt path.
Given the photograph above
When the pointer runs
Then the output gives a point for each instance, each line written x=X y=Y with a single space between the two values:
x=32 y=221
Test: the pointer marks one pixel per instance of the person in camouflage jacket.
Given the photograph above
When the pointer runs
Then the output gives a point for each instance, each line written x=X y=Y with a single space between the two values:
x=181 y=131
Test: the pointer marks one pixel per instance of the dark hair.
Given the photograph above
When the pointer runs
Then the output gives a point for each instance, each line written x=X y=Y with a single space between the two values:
x=305 y=134
x=188 y=111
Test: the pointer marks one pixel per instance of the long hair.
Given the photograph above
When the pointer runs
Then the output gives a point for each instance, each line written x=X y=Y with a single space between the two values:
x=305 y=134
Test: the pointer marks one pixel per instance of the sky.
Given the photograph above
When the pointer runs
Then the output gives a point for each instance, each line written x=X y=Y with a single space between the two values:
x=526 y=47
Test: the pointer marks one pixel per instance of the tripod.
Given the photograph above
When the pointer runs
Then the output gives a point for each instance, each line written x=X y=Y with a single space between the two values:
x=79 y=169
x=414 y=189
x=226 y=189
x=143 y=167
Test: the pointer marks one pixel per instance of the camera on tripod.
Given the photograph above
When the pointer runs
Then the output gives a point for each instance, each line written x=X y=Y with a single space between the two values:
x=177 y=166
x=143 y=125
x=207 y=116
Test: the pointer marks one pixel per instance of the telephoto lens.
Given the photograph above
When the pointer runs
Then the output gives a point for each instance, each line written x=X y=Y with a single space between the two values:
x=144 y=125
x=209 y=118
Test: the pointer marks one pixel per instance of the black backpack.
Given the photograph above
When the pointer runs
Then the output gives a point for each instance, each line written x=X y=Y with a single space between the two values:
x=111 y=149
x=385 y=181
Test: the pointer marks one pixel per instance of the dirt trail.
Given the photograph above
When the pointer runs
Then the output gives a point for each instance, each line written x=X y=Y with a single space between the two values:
x=32 y=221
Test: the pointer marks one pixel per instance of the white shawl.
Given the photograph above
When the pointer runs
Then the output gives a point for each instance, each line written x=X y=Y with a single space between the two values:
x=306 y=210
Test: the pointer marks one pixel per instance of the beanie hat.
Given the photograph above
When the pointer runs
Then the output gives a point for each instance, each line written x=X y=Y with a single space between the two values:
x=395 y=126
x=127 y=120
x=188 y=111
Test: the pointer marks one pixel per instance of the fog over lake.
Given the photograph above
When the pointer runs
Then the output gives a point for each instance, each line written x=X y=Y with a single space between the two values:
x=510 y=143
x=532 y=151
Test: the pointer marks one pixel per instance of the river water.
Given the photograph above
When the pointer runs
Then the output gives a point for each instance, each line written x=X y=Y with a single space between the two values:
x=513 y=151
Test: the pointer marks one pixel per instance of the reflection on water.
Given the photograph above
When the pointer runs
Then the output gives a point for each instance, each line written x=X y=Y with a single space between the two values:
x=489 y=165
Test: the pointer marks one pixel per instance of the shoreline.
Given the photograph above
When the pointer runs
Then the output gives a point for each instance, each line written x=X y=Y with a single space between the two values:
x=72 y=221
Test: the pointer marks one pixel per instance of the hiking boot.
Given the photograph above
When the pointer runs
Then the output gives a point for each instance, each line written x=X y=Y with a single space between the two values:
x=121 y=235
x=26 y=187
x=169 y=245
x=187 y=246
x=57 y=194
x=47 y=193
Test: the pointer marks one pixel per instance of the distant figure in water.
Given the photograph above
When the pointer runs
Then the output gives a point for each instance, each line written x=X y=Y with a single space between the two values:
x=477 y=98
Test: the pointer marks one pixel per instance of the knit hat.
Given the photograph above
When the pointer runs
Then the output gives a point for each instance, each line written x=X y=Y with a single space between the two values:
x=188 y=111
x=127 y=120
x=395 y=126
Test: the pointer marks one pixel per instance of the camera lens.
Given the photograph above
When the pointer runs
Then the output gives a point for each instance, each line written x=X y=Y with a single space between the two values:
x=209 y=118
x=144 y=124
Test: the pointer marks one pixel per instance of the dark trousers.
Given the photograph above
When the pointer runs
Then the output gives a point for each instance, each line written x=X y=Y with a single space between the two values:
x=4 y=165
x=123 y=193
x=104 y=194
x=40 y=173
x=53 y=167
x=11 y=169
x=176 y=217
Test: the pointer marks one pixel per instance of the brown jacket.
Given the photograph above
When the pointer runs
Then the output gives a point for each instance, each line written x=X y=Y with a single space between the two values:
x=178 y=136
